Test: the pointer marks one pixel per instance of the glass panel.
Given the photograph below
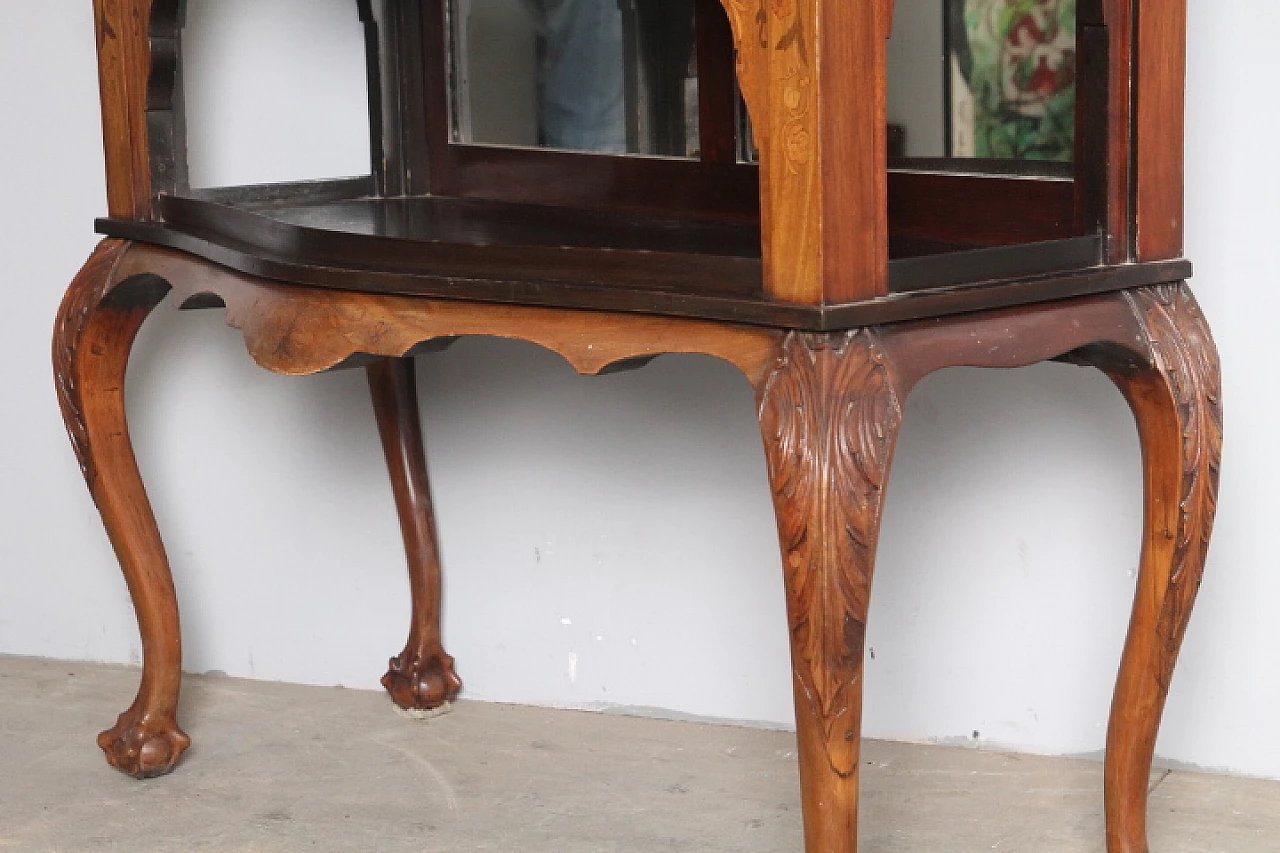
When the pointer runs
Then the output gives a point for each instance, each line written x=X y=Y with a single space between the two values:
x=748 y=151
x=603 y=76
x=987 y=79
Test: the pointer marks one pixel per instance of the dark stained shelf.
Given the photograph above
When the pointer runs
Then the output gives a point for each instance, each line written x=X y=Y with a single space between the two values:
x=543 y=255
x=466 y=238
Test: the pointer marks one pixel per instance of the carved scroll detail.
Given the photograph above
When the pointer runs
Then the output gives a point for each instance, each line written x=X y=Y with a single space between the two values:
x=1181 y=347
x=88 y=289
x=830 y=414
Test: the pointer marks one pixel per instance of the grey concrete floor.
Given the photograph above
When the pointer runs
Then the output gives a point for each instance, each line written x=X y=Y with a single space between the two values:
x=284 y=768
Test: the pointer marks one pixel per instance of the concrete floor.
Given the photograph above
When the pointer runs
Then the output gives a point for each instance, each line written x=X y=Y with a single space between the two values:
x=285 y=768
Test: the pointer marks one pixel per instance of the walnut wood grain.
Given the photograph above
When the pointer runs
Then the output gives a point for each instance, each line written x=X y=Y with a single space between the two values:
x=94 y=332
x=830 y=410
x=124 y=69
x=1177 y=401
x=830 y=407
x=830 y=403
x=294 y=330
x=303 y=330
x=422 y=677
x=830 y=413
x=1160 y=125
x=812 y=73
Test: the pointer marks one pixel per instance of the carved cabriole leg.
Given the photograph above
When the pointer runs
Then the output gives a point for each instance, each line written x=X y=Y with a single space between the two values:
x=830 y=409
x=830 y=413
x=95 y=330
x=830 y=406
x=422 y=677
x=1177 y=403
x=293 y=331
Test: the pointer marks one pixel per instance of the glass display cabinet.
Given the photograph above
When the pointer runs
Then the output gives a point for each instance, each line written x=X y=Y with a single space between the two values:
x=837 y=196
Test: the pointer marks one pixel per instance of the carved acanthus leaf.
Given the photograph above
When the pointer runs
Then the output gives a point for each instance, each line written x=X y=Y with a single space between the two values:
x=1182 y=348
x=830 y=415
x=84 y=294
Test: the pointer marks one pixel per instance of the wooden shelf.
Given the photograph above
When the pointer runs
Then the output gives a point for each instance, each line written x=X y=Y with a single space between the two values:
x=333 y=235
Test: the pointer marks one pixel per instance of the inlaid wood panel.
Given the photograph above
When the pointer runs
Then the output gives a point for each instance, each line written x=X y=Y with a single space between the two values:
x=813 y=75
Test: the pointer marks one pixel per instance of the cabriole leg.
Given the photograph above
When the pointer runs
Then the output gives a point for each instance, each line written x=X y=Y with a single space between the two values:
x=1177 y=403
x=422 y=678
x=95 y=330
x=830 y=414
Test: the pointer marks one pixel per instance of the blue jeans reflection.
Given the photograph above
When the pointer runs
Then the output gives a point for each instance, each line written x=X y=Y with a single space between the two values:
x=581 y=84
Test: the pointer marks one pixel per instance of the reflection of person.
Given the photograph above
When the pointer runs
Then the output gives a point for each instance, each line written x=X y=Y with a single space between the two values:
x=611 y=74
x=581 y=84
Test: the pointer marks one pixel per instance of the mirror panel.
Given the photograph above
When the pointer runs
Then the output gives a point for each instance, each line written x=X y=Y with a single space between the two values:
x=600 y=76
x=984 y=79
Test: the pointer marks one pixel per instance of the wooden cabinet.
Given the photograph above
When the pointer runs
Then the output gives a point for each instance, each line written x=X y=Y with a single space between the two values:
x=710 y=176
x=820 y=230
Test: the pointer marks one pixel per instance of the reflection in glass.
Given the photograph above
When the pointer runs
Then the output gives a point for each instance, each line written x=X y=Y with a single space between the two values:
x=1005 y=87
x=1013 y=78
x=605 y=76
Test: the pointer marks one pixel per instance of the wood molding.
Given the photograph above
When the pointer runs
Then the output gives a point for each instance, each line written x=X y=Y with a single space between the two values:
x=301 y=330
x=830 y=408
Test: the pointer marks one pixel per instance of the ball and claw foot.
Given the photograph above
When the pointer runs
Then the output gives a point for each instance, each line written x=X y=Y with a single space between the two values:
x=422 y=684
x=143 y=749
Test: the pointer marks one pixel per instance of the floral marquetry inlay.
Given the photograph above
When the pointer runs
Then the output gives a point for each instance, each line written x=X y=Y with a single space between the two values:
x=778 y=55
x=777 y=74
x=812 y=75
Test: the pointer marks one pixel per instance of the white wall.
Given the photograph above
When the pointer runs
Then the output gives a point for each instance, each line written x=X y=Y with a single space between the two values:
x=497 y=67
x=917 y=99
x=624 y=522
x=285 y=115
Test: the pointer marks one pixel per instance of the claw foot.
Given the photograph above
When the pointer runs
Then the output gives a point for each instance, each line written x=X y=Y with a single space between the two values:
x=422 y=682
x=143 y=748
